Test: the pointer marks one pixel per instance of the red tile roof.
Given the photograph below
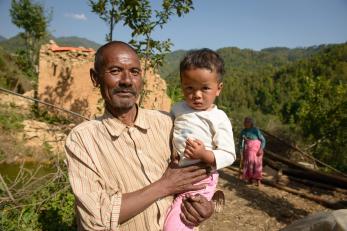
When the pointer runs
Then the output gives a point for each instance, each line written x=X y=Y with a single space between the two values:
x=56 y=48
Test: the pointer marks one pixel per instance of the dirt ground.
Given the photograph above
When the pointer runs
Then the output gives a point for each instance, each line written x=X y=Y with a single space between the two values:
x=248 y=207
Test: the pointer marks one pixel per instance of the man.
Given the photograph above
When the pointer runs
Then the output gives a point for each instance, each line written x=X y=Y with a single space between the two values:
x=118 y=164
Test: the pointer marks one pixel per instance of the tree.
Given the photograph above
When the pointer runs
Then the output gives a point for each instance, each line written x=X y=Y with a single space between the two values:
x=323 y=116
x=110 y=11
x=33 y=19
x=142 y=20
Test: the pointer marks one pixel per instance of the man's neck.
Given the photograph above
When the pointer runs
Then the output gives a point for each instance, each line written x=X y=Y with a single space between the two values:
x=126 y=116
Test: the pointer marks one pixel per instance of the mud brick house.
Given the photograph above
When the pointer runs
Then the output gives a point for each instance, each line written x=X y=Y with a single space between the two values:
x=64 y=81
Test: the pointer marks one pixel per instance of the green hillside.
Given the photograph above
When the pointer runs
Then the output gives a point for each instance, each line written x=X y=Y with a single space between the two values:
x=76 y=42
x=171 y=63
x=10 y=75
x=242 y=68
x=14 y=43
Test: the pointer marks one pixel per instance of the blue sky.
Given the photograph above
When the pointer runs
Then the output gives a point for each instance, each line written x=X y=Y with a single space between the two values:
x=254 y=24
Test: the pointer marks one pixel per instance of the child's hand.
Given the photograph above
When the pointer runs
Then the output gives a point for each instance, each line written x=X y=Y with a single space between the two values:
x=195 y=149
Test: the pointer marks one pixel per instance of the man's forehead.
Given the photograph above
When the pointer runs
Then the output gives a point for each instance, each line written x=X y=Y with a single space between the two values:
x=121 y=53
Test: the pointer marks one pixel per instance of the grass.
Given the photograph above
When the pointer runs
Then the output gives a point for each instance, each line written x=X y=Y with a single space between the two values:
x=10 y=120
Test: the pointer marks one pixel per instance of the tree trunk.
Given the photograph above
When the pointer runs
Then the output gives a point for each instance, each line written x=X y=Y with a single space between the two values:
x=303 y=172
x=320 y=200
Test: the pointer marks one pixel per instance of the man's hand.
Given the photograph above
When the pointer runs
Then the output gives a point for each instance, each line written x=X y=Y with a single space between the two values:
x=182 y=179
x=196 y=209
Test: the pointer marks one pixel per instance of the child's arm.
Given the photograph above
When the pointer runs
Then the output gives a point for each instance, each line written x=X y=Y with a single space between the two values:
x=223 y=140
x=195 y=149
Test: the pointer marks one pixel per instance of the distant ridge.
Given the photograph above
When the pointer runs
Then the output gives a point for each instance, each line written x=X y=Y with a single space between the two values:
x=76 y=42
x=2 y=38
x=14 y=43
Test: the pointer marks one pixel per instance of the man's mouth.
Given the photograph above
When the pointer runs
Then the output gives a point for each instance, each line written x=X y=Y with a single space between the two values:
x=124 y=92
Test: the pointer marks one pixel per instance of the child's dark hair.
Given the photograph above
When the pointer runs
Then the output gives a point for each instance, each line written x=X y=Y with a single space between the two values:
x=203 y=58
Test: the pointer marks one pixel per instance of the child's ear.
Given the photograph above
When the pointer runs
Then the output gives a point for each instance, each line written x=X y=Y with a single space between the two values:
x=220 y=87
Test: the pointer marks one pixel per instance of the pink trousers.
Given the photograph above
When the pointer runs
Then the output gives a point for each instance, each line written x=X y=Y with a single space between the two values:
x=252 y=164
x=173 y=221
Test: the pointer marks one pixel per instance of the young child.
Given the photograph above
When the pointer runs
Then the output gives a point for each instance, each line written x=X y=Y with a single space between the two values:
x=202 y=132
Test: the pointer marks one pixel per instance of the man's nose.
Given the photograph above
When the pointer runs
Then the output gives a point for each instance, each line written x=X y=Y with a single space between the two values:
x=125 y=78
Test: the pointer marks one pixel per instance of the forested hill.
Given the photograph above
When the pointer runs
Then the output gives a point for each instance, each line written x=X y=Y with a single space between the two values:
x=244 y=58
x=304 y=89
x=243 y=66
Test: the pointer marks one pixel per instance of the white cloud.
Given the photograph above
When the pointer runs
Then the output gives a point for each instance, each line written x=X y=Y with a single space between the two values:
x=76 y=16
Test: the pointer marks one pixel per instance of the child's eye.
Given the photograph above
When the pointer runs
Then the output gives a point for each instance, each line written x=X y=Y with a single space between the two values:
x=188 y=88
x=206 y=88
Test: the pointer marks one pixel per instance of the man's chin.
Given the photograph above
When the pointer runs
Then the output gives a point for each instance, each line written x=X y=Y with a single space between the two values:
x=123 y=104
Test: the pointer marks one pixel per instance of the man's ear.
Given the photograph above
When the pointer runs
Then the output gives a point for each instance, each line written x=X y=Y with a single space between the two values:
x=94 y=77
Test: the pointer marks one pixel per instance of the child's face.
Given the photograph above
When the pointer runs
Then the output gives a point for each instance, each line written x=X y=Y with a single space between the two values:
x=200 y=88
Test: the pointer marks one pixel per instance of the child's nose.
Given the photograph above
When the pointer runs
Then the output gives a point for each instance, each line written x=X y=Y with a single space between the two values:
x=197 y=94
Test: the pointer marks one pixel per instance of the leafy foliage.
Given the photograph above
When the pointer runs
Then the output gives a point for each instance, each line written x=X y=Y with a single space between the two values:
x=143 y=20
x=48 y=205
x=11 y=77
x=31 y=17
x=312 y=95
x=9 y=121
x=110 y=11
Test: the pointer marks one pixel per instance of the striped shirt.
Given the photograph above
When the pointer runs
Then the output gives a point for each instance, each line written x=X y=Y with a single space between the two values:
x=107 y=158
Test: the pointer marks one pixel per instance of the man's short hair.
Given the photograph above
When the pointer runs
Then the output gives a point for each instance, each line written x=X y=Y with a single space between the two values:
x=99 y=61
x=203 y=58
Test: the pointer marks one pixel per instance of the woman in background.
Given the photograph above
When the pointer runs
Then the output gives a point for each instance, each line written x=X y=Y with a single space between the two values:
x=252 y=144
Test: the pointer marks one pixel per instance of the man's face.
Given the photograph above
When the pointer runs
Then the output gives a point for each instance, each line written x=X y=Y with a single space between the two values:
x=200 y=88
x=119 y=77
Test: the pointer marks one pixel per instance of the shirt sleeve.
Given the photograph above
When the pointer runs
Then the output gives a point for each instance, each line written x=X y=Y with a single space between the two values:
x=261 y=138
x=98 y=206
x=224 y=151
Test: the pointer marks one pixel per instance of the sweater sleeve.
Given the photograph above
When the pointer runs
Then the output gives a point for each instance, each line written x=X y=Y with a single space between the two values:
x=223 y=139
x=242 y=141
x=261 y=138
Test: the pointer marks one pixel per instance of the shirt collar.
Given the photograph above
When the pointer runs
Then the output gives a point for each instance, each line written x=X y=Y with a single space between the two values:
x=115 y=127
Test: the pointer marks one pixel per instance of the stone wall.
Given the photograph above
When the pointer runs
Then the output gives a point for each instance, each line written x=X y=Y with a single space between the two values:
x=64 y=81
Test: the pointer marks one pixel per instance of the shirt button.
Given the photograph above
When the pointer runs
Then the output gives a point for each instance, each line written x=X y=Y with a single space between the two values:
x=139 y=152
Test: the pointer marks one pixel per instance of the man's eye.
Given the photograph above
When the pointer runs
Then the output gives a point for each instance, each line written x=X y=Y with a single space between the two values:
x=135 y=72
x=114 y=71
